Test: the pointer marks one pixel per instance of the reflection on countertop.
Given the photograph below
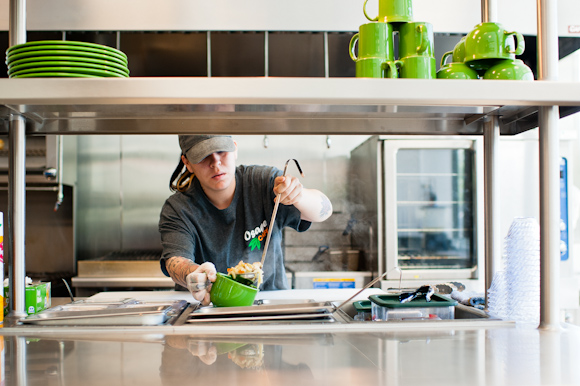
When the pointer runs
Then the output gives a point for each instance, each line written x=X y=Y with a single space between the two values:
x=506 y=356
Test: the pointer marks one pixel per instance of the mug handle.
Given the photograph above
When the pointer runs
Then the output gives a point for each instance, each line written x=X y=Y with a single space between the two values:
x=521 y=43
x=423 y=38
x=353 y=41
x=387 y=68
x=365 y=12
x=391 y=67
x=445 y=56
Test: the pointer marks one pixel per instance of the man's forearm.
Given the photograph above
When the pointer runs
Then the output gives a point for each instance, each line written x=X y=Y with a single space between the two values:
x=178 y=268
x=314 y=206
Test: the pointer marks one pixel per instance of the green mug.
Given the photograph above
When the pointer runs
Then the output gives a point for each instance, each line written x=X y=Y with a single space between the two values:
x=375 y=40
x=416 y=39
x=376 y=68
x=421 y=67
x=492 y=41
x=455 y=70
x=510 y=70
x=392 y=11
x=459 y=51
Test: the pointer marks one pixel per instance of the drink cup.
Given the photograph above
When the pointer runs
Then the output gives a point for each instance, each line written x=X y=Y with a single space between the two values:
x=375 y=40
x=392 y=11
x=455 y=70
x=509 y=69
x=459 y=51
x=416 y=39
x=376 y=68
x=492 y=41
x=421 y=67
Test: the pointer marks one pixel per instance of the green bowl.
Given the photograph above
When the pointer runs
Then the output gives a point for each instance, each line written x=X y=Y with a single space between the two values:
x=226 y=347
x=226 y=292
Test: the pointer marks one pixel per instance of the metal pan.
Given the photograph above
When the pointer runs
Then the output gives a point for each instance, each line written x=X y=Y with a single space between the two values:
x=264 y=310
x=265 y=318
x=282 y=301
x=134 y=316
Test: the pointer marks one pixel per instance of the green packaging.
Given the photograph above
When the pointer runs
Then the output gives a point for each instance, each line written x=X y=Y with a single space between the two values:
x=37 y=298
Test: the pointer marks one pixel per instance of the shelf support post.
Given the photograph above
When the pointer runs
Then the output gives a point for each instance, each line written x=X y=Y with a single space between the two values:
x=17 y=216
x=17 y=180
x=549 y=171
x=488 y=11
x=491 y=135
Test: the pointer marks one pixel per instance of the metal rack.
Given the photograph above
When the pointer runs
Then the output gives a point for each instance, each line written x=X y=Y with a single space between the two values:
x=301 y=106
x=277 y=105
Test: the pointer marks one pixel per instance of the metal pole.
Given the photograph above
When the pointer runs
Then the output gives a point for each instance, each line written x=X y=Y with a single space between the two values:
x=549 y=218
x=17 y=180
x=20 y=361
x=326 y=60
x=549 y=170
x=17 y=22
x=488 y=11
x=266 y=54
x=208 y=39
x=491 y=198
x=17 y=215
x=491 y=187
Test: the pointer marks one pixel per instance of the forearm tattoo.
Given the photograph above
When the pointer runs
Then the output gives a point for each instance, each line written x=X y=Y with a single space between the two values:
x=178 y=268
x=326 y=206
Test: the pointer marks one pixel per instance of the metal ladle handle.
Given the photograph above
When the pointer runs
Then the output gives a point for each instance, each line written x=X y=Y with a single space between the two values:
x=277 y=203
x=370 y=284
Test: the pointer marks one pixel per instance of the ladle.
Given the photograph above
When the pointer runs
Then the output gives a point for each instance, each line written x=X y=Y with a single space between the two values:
x=253 y=276
x=336 y=308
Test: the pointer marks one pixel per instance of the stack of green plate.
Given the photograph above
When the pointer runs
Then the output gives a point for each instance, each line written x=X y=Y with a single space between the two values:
x=56 y=58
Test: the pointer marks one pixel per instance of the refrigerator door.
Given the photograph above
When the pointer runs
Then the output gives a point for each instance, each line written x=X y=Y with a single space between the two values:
x=430 y=208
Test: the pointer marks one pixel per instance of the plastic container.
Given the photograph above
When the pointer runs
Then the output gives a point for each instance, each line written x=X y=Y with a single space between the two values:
x=388 y=307
x=363 y=309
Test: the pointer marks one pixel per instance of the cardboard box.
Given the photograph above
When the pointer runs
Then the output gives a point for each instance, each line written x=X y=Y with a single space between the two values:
x=37 y=298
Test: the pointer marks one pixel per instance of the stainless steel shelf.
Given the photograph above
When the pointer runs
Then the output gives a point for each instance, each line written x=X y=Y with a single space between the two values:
x=278 y=105
x=149 y=282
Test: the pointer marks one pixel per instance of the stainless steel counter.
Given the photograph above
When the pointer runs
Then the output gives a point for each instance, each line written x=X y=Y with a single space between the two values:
x=366 y=353
x=501 y=356
x=337 y=322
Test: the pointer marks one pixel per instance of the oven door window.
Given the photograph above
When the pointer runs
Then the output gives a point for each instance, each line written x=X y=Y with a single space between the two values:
x=435 y=208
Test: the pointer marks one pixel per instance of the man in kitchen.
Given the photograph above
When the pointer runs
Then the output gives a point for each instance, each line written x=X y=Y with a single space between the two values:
x=219 y=215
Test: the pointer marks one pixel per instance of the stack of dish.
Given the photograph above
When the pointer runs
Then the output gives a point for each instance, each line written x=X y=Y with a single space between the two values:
x=56 y=58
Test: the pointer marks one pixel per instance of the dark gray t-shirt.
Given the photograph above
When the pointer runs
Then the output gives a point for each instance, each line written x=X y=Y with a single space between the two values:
x=192 y=227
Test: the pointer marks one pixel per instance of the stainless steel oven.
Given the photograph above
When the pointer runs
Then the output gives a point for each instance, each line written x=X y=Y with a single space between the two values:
x=423 y=200
x=42 y=159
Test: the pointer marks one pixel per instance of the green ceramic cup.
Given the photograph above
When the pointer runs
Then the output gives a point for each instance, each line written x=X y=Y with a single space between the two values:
x=375 y=40
x=226 y=292
x=455 y=70
x=510 y=70
x=416 y=39
x=492 y=41
x=392 y=11
x=420 y=67
x=459 y=51
x=376 y=68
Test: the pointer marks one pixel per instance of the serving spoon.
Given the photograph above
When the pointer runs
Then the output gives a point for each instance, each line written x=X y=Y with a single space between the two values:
x=253 y=276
